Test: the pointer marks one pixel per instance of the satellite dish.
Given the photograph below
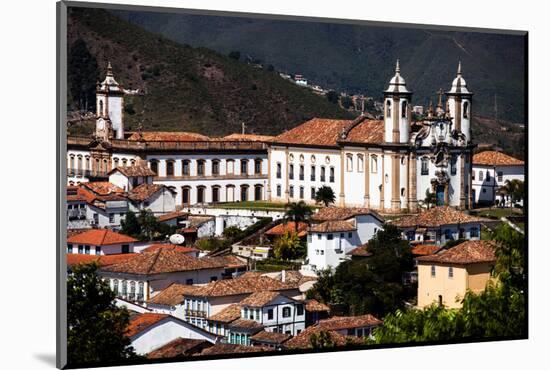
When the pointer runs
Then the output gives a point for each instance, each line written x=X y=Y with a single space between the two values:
x=177 y=239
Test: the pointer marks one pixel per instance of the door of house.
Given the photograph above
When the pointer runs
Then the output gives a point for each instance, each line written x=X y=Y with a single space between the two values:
x=440 y=195
x=185 y=196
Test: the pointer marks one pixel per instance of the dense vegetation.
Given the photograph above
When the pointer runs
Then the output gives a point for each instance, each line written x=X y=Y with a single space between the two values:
x=497 y=312
x=372 y=285
x=185 y=88
x=95 y=325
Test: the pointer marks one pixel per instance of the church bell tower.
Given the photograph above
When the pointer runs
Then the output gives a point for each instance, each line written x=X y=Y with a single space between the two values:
x=460 y=105
x=109 y=105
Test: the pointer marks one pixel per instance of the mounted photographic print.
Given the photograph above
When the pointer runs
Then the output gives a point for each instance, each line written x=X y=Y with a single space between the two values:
x=236 y=185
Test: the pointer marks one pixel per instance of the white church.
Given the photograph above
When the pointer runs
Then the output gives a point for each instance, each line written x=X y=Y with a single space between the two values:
x=384 y=165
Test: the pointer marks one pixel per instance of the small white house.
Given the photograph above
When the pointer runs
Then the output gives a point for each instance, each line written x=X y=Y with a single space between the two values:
x=339 y=231
x=130 y=177
x=100 y=242
x=149 y=331
x=158 y=198
x=490 y=171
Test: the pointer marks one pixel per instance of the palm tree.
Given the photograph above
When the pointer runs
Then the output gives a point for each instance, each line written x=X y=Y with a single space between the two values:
x=514 y=189
x=325 y=195
x=297 y=212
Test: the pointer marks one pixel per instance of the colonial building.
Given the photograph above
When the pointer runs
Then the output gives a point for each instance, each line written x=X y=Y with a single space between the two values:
x=198 y=168
x=490 y=171
x=100 y=242
x=384 y=164
x=444 y=277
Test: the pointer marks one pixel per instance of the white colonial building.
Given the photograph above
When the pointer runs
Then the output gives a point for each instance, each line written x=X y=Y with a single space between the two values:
x=336 y=232
x=386 y=165
x=490 y=171
x=199 y=169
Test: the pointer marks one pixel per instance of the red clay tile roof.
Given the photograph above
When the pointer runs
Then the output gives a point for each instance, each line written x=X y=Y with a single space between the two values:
x=103 y=188
x=270 y=337
x=313 y=305
x=435 y=217
x=248 y=137
x=144 y=191
x=177 y=248
x=107 y=260
x=342 y=213
x=333 y=226
x=294 y=277
x=242 y=285
x=226 y=348
x=179 y=347
x=360 y=251
x=173 y=294
x=316 y=131
x=100 y=237
x=259 y=299
x=425 y=249
x=246 y=324
x=138 y=169
x=172 y=215
x=228 y=314
x=303 y=340
x=472 y=251
x=367 y=131
x=492 y=158
x=288 y=227
x=329 y=132
x=167 y=136
x=165 y=261
x=348 y=322
x=142 y=322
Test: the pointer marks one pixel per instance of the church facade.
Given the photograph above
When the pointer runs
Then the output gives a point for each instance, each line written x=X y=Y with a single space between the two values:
x=388 y=164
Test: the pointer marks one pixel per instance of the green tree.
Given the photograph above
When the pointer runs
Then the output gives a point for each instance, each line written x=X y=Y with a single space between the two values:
x=297 y=212
x=498 y=311
x=346 y=102
x=332 y=96
x=321 y=340
x=514 y=190
x=82 y=75
x=130 y=225
x=325 y=195
x=96 y=325
x=288 y=247
x=371 y=285
x=232 y=233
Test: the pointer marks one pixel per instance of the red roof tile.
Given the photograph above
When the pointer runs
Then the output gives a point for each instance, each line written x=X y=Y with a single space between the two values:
x=172 y=215
x=333 y=226
x=165 y=261
x=144 y=191
x=173 y=294
x=248 y=137
x=343 y=213
x=110 y=259
x=270 y=337
x=425 y=249
x=303 y=340
x=242 y=285
x=349 y=322
x=167 y=136
x=177 y=248
x=435 y=217
x=228 y=314
x=142 y=322
x=259 y=299
x=103 y=188
x=226 y=348
x=361 y=251
x=316 y=131
x=100 y=237
x=472 y=251
x=492 y=158
x=179 y=347
x=288 y=227
x=313 y=305
x=138 y=169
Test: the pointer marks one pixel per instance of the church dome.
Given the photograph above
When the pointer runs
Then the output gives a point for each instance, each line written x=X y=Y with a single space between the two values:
x=397 y=83
x=459 y=83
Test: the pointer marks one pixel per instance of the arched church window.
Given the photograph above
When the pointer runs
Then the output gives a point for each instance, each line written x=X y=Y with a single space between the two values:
x=388 y=109
x=404 y=109
x=373 y=164
x=100 y=113
x=360 y=163
x=466 y=107
x=349 y=158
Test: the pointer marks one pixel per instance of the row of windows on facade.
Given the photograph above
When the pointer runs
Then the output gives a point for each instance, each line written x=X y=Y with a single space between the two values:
x=425 y=169
x=127 y=289
x=404 y=109
x=215 y=193
x=436 y=235
x=487 y=175
x=450 y=272
x=86 y=249
x=82 y=163
x=201 y=166
x=331 y=236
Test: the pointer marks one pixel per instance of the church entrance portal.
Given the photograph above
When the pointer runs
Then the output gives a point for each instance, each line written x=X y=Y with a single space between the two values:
x=440 y=195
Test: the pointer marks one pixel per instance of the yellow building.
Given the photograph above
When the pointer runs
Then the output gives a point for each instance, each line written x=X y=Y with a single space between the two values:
x=445 y=277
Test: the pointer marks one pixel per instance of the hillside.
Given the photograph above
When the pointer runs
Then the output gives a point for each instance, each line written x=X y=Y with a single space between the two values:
x=361 y=58
x=185 y=88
